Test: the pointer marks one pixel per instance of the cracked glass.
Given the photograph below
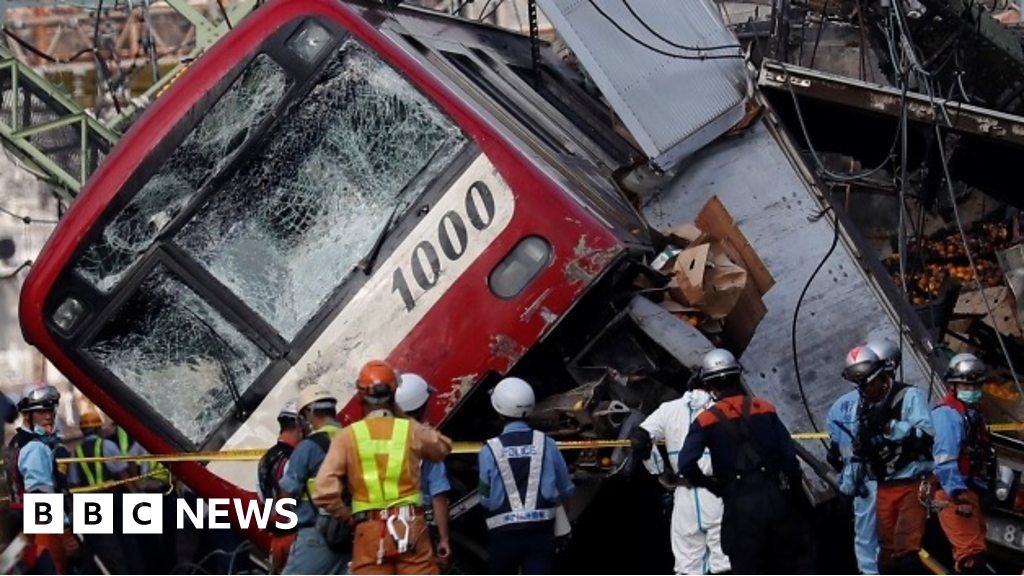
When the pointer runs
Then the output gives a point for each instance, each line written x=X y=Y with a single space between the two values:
x=291 y=224
x=178 y=354
x=223 y=128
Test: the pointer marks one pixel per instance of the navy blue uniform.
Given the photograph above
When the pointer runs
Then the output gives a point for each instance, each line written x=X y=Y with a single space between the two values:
x=757 y=475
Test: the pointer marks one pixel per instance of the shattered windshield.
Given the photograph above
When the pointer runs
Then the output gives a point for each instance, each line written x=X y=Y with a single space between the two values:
x=181 y=356
x=181 y=174
x=293 y=221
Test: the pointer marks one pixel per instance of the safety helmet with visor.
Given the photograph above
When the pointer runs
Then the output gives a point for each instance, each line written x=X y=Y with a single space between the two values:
x=717 y=365
x=863 y=365
x=39 y=397
x=888 y=351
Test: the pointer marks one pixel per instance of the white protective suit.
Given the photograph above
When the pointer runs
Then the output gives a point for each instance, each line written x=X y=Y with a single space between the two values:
x=696 y=530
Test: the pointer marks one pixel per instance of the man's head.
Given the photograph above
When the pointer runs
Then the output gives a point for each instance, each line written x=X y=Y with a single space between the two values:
x=965 y=377
x=288 y=421
x=376 y=384
x=90 y=422
x=868 y=372
x=38 y=405
x=513 y=399
x=720 y=372
x=317 y=406
x=412 y=395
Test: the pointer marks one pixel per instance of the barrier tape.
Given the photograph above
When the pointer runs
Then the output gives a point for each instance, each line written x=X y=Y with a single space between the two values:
x=251 y=454
x=115 y=483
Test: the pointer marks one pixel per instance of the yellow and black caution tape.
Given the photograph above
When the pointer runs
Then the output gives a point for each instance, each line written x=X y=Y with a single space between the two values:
x=250 y=454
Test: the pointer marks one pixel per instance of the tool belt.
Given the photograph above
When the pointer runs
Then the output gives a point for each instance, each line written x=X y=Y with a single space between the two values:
x=405 y=511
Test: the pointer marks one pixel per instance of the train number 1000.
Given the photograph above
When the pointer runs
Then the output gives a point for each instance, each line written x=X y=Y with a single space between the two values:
x=453 y=239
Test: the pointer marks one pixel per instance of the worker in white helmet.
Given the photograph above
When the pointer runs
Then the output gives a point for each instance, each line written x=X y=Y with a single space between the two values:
x=696 y=528
x=523 y=480
x=412 y=396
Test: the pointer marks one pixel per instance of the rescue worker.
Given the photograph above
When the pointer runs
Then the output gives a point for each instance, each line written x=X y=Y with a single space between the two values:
x=696 y=528
x=853 y=477
x=377 y=461
x=523 y=481
x=109 y=547
x=755 y=472
x=965 y=463
x=269 y=472
x=33 y=470
x=311 y=554
x=894 y=441
x=411 y=396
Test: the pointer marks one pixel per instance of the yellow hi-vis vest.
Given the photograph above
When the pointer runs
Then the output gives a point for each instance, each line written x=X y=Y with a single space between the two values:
x=155 y=470
x=91 y=471
x=383 y=491
x=330 y=430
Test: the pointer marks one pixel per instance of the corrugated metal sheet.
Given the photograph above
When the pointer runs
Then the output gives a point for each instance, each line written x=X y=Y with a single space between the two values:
x=771 y=204
x=672 y=106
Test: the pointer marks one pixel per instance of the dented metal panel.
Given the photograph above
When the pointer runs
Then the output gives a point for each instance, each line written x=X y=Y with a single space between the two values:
x=766 y=191
x=671 y=105
x=684 y=342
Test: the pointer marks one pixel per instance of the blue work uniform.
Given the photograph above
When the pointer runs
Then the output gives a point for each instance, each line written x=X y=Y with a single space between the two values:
x=853 y=481
x=433 y=481
x=523 y=478
x=310 y=553
x=36 y=466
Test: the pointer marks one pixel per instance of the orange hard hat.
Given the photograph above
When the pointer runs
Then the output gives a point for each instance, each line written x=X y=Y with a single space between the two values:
x=90 y=419
x=377 y=381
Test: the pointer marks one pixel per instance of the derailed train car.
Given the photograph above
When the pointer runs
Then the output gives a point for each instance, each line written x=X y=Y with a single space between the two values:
x=335 y=181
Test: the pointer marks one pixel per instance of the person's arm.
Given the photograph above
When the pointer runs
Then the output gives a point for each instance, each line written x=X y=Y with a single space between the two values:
x=430 y=444
x=486 y=467
x=563 y=482
x=35 y=464
x=946 y=450
x=689 y=459
x=915 y=423
x=331 y=477
x=293 y=479
x=118 y=468
x=444 y=548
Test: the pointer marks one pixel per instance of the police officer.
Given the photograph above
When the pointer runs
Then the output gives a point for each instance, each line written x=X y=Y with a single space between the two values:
x=377 y=461
x=965 y=463
x=84 y=474
x=33 y=470
x=411 y=396
x=893 y=440
x=853 y=477
x=755 y=472
x=310 y=554
x=268 y=474
x=696 y=528
x=523 y=480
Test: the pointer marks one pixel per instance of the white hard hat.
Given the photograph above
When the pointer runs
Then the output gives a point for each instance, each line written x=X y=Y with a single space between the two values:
x=513 y=397
x=413 y=392
x=317 y=397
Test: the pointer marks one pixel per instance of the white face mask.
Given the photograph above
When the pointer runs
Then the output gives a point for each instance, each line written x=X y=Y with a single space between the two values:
x=699 y=398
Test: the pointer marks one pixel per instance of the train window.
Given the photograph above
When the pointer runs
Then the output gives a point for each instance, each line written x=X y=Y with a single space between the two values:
x=513 y=274
x=175 y=351
x=290 y=224
x=249 y=99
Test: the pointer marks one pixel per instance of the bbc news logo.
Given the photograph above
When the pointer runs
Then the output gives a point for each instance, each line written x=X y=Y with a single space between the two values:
x=144 y=513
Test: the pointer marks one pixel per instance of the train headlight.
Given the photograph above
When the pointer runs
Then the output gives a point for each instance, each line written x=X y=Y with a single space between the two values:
x=309 y=41
x=67 y=314
x=520 y=267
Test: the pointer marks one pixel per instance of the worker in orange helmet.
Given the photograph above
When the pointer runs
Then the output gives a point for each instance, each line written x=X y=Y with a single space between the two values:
x=377 y=461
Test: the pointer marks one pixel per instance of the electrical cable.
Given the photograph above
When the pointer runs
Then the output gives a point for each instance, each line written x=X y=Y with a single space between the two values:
x=491 y=13
x=48 y=57
x=27 y=219
x=674 y=44
x=796 y=316
x=655 y=49
x=224 y=14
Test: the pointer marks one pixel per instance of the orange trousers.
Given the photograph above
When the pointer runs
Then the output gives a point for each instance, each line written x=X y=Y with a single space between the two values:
x=370 y=535
x=966 y=535
x=901 y=521
x=280 y=546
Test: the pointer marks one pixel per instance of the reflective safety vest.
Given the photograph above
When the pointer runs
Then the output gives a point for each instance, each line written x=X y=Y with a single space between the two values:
x=322 y=438
x=383 y=490
x=92 y=472
x=124 y=443
x=520 y=508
